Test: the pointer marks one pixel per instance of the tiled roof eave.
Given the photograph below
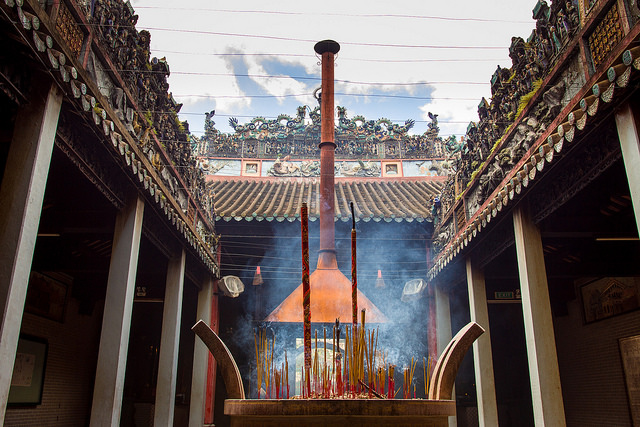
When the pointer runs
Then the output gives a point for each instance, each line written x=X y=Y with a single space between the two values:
x=281 y=199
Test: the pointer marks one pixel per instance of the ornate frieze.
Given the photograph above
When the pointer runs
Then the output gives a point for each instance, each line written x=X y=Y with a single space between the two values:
x=298 y=137
x=605 y=36
x=69 y=29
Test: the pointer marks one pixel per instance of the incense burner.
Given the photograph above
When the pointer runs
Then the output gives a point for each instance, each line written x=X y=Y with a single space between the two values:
x=433 y=411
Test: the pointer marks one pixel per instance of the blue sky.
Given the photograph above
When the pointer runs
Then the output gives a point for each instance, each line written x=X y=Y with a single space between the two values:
x=398 y=60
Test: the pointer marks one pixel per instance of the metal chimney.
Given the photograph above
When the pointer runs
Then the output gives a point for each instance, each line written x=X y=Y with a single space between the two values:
x=330 y=289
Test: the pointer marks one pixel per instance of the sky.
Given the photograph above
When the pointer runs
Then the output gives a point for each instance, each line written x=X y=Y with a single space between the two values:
x=398 y=60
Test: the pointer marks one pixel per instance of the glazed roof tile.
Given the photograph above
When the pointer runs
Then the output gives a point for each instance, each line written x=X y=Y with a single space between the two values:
x=374 y=199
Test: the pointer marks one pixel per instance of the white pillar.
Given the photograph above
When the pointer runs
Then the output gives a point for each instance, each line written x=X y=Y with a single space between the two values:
x=116 y=320
x=630 y=145
x=482 y=356
x=21 y=196
x=546 y=391
x=169 y=343
x=200 y=358
x=443 y=320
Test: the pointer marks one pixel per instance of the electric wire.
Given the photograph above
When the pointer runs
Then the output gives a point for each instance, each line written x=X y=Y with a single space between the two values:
x=318 y=79
x=337 y=14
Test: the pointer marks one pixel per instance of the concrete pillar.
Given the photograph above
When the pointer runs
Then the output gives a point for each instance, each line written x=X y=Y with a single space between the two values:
x=200 y=358
x=169 y=343
x=630 y=145
x=482 y=356
x=116 y=320
x=21 y=196
x=546 y=391
x=443 y=319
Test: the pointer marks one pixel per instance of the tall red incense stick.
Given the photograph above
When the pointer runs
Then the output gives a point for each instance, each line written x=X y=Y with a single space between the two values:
x=354 y=270
x=306 y=290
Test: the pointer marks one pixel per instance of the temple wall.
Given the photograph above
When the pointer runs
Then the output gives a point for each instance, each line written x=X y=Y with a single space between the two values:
x=593 y=385
x=69 y=370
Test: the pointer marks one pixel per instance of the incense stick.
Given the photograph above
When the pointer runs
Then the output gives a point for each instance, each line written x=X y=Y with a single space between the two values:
x=354 y=270
x=306 y=290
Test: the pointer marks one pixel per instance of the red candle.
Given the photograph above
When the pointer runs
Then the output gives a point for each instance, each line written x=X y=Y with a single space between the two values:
x=354 y=270
x=306 y=290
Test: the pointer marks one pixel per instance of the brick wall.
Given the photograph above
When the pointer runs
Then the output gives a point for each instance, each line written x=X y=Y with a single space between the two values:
x=593 y=385
x=69 y=371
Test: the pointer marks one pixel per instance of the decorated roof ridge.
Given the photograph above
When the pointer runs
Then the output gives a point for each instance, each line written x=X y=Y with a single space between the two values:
x=492 y=148
x=58 y=52
x=299 y=136
x=581 y=110
x=302 y=122
x=280 y=199
x=535 y=61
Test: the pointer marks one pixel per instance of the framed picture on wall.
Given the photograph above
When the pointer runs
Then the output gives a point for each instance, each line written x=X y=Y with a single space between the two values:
x=28 y=371
x=609 y=296
x=630 y=354
x=47 y=296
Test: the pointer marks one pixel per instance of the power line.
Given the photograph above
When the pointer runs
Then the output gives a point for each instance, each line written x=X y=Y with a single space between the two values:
x=292 y=39
x=335 y=14
x=280 y=76
x=296 y=95
x=342 y=58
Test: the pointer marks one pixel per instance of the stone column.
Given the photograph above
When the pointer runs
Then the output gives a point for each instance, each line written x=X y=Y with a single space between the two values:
x=116 y=320
x=443 y=320
x=482 y=356
x=626 y=122
x=546 y=391
x=21 y=196
x=170 y=342
x=200 y=357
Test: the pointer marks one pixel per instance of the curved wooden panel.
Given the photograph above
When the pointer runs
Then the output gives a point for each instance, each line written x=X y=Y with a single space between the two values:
x=226 y=362
x=446 y=369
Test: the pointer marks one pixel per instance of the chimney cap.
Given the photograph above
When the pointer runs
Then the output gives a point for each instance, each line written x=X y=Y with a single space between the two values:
x=326 y=46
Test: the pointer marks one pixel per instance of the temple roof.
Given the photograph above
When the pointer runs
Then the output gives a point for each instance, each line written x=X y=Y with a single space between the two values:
x=374 y=199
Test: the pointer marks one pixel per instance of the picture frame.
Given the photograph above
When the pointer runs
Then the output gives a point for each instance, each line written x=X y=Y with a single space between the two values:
x=630 y=355
x=607 y=297
x=46 y=296
x=28 y=371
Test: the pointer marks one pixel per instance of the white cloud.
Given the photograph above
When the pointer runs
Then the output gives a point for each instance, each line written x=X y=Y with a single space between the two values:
x=205 y=29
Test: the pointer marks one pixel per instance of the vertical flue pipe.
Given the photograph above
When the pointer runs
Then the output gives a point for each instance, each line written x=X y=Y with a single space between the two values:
x=327 y=254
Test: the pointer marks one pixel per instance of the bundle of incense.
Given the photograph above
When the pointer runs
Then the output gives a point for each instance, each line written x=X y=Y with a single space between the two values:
x=347 y=359
x=424 y=370
x=306 y=290
x=427 y=375
x=339 y=389
x=337 y=359
x=371 y=359
x=405 y=384
x=325 y=380
x=392 y=387
x=276 y=378
x=264 y=360
x=315 y=366
x=258 y=363
x=408 y=380
x=354 y=270
x=286 y=371
x=362 y=347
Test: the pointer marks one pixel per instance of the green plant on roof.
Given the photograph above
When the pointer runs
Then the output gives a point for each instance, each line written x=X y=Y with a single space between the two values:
x=148 y=117
x=524 y=99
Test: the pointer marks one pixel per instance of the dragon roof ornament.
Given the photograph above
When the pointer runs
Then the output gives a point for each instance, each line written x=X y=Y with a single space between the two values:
x=285 y=126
